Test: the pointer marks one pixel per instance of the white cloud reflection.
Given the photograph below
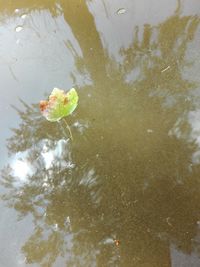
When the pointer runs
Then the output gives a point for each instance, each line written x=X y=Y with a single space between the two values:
x=52 y=155
x=21 y=168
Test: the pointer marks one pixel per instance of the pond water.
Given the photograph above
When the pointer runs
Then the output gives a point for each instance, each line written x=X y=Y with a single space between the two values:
x=126 y=191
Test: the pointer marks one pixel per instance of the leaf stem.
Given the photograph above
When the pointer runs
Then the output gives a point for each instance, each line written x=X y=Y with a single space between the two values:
x=70 y=133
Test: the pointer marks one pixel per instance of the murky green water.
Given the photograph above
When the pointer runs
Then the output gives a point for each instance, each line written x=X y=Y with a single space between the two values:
x=126 y=191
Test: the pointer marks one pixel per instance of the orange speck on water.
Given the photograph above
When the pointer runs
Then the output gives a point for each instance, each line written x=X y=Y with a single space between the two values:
x=117 y=242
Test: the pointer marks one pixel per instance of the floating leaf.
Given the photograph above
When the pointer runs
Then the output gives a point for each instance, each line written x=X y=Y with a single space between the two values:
x=59 y=105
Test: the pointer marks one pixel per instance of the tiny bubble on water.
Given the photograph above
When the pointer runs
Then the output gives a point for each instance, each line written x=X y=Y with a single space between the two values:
x=18 y=28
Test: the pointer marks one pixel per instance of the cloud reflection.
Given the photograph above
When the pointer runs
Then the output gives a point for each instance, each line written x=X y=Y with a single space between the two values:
x=20 y=169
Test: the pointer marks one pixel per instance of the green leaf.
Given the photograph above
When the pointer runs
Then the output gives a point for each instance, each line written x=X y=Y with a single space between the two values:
x=59 y=105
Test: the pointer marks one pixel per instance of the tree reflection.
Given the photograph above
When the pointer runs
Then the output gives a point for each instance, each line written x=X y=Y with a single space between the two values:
x=128 y=175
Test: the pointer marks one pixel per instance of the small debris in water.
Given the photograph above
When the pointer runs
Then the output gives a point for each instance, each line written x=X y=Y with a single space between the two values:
x=18 y=28
x=55 y=227
x=187 y=99
x=121 y=11
x=108 y=241
x=68 y=223
x=149 y=131
x=23 y=16
x=68 y=220
x=44 y=184
x=16 y=10
x=167 y=68
x=117 y=242
x=168 y=221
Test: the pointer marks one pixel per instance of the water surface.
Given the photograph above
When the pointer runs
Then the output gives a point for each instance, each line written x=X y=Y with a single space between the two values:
x=126 y=191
